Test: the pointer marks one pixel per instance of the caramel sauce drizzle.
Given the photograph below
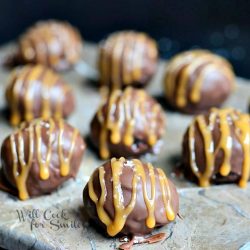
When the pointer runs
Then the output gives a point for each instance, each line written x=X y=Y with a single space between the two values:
x=44 y=164
x=121 y=58
x=24 y=82
x=186 y=64
x=120 y=119
x=19 y=159
x=227 y=118
x=50 y=42
x=121 y=212
x=21 y=168
x=65 y=160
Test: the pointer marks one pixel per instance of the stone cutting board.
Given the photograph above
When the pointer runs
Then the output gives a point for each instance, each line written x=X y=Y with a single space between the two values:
x=214 y=218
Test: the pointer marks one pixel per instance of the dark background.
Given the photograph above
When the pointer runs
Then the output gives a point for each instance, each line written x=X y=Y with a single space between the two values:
x=222 y=26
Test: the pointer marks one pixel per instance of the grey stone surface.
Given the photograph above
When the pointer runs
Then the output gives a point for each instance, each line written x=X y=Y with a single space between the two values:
x=214 y=218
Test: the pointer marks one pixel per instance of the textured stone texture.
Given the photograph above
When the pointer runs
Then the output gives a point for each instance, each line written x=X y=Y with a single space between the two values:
x=213 y=218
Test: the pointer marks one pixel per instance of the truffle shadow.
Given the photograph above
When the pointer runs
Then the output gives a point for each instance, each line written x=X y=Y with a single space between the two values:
x=5 y=113
x=164 y=103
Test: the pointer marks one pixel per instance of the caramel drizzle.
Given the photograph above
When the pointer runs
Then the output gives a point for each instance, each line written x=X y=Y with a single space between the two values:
x=50 y=42
x=227 y=119
x=25 y=81
x=19 y=160
x=121 y=212
x=185 y=65
x=120 y=119
x=65 y=160
x=21 y=168
x=44 y=164
x=121 y=58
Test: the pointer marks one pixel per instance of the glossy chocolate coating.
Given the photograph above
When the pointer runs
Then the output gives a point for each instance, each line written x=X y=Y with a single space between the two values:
x=127 y=58
x=135 y=223
x=197 y=80
x=47 y=165
x=138 y=116
x=55 y=44
x=235 y=141
x=36 y=91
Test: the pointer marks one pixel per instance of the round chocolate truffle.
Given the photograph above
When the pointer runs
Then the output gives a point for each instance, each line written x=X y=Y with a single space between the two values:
x=40 y=156
x=37 y=91
x=129 y=123
x=216 y=148
x=127 y=58
x=129 y=197
x=198 y=80
x=53 y=43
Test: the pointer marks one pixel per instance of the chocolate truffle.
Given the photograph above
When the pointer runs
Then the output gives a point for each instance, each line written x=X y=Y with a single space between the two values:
x=130 y=198
x=129 y=123
x=216 y=147
x=53 y=43
x=40 y=156
x=198 y=80
x=127 y=58
x=37 y=91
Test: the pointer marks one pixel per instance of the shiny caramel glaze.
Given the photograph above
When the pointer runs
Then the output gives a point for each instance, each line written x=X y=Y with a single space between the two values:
x=37 y=91
x=37 y=149
x=126 y=117
x=127 y=58
x=192 y=75
x=219 y=143
x=53 y=43
x=130 y=186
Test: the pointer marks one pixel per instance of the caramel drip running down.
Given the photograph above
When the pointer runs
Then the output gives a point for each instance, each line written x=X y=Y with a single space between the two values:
x=122 y=57
x=65 y=160
x=227 y=118
x=26 y=81
x=121 y=212
x=19 y=159
x=122 y=110
x=199 y=63
x=21 y=168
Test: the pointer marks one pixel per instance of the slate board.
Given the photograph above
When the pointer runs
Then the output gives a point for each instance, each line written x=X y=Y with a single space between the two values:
x=214 y=218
